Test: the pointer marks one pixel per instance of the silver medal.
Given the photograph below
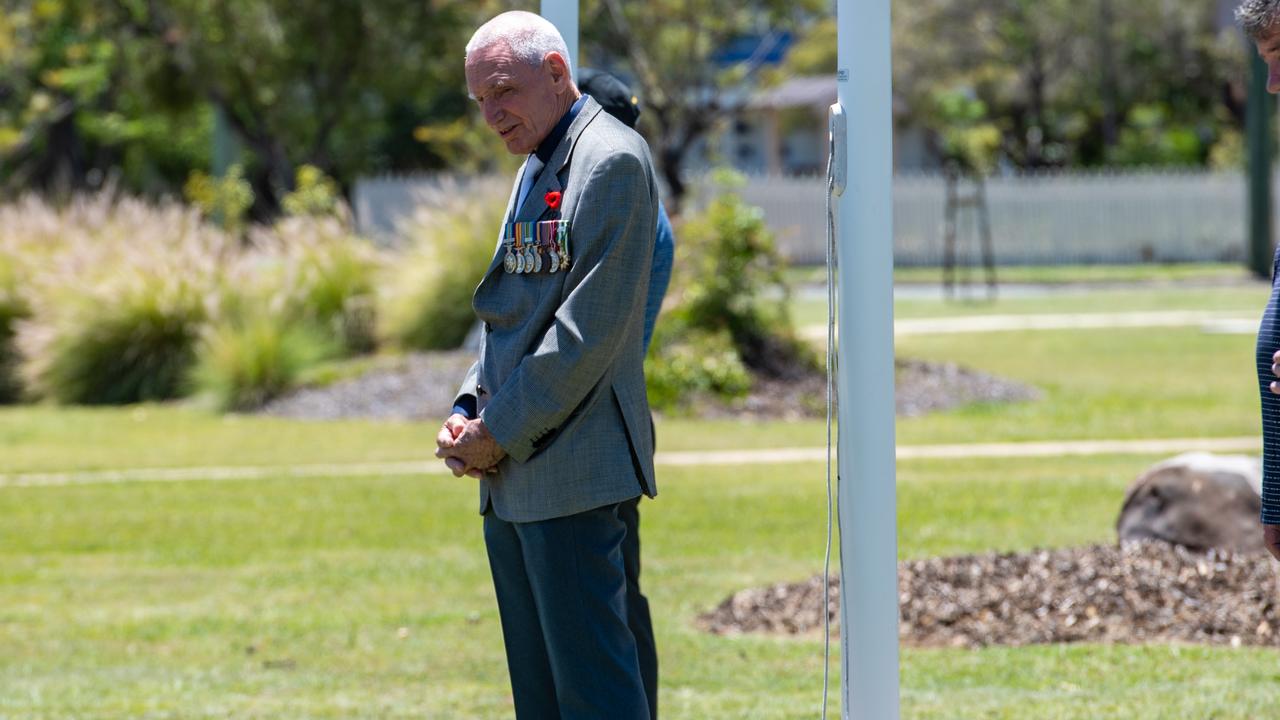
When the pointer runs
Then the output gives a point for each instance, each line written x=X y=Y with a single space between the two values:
x=537 y=260
x=509 y=262
x=519 y=263
x=554 y=258
x=528 y=260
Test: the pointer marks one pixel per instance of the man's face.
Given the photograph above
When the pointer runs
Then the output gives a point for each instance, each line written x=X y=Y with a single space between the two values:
x=520 y=102
x=1269 y=48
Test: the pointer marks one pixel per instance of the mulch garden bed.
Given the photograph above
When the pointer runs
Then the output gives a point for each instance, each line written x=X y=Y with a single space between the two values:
x=421 y=387
x=1138 y=593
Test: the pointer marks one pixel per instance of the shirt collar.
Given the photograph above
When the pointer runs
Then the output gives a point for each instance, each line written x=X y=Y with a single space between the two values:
x=549 y=143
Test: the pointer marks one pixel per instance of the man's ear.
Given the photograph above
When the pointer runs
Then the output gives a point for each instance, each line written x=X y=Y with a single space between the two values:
x=558 y=68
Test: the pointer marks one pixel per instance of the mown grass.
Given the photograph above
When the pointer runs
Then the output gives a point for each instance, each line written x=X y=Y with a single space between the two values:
x=1097 y=384
x=359 y=597
x=1246 y=300
x=345 y=597
x=1058 y=274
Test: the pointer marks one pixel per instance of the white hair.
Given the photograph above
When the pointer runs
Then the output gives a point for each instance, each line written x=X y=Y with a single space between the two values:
x=1257 y=16
x=530 y=37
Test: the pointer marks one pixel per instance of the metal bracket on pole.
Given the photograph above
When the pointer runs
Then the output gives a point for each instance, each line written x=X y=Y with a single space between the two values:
x=838 y=129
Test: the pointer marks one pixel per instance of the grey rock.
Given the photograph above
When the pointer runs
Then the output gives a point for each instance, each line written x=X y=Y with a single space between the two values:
x=1197 y=500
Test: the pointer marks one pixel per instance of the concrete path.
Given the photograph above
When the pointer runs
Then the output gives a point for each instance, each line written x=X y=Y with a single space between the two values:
x=675 y=459
x=1233 y=321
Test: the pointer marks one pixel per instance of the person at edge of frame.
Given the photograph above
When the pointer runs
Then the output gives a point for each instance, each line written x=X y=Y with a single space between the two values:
x=617 y=100
x=1260 y=20
x=555 y=422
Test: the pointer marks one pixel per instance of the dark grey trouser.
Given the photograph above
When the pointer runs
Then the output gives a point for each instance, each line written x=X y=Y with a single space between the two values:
x=562 y=597
x=638 y=618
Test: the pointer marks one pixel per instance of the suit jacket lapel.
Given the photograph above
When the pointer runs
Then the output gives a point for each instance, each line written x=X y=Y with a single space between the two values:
x=536 y=204
x=498 y=253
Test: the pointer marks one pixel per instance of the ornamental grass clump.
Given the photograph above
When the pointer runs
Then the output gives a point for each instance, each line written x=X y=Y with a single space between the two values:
x=314 y=270
x=245 y=362
x=447 y=242
x=117 y=300
x=13 y=308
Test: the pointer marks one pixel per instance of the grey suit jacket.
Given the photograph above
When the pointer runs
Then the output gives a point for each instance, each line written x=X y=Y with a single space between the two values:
x=560 y=378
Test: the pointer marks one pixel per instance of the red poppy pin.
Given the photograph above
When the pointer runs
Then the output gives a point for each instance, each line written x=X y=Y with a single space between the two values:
x=553 y=199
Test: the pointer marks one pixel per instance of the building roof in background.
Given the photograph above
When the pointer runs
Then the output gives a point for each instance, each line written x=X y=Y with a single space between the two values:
x=806 y=91
x=797 y=92
x=767 y=49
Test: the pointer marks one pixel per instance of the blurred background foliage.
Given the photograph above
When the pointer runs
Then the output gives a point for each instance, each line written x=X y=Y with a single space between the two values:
x=1063 y=83
x=112 y=292
x=127 y=91
x=91 y=90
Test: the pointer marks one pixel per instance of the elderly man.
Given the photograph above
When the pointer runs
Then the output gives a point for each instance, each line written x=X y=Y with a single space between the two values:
x=1261 y=22
x=553 y=419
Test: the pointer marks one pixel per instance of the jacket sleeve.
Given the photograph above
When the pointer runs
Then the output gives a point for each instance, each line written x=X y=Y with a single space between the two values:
x=470 y=386
x=611 y=238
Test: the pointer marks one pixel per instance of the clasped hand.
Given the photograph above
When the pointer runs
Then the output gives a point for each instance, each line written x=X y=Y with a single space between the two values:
x=467 y=447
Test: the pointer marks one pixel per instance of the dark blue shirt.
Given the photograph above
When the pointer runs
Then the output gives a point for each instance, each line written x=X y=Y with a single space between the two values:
x=664 y=250
x=553 y=138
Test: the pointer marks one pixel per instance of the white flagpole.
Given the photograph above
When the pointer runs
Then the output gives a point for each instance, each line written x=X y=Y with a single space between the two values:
x=868 y=520
x=564 y=15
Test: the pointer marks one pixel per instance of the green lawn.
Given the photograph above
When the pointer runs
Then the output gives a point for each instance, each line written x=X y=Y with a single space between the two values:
x=364 y=597
x=1058 y=274
x=1245 y=300
x=287 y=598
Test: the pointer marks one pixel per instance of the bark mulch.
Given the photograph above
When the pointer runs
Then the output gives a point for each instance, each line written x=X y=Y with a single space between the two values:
x=421 y=386
x=1138 y=593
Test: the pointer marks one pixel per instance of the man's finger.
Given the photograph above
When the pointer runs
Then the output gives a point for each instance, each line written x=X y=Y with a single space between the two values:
x=444 y=438
x=455 y=424
x=1275 y=357
x=476 y=473
x=458 y=467
x=1275 y=387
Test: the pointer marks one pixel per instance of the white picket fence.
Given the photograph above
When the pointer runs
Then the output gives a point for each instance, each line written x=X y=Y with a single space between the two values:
x=1041 y=218
x=1054 y=218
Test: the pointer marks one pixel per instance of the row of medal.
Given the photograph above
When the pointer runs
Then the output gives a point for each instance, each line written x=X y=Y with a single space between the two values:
x=527 y=241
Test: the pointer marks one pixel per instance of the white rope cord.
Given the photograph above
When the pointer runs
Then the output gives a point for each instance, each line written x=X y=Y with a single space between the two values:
x=831 y=375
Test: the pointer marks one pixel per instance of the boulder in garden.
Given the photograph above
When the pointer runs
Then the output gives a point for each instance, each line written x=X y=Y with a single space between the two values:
x=1198 y=500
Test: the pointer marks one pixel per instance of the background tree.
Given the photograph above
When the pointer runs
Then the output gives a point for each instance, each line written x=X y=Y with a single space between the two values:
x=1065 y=83
x=348 y=87
x=668 y=46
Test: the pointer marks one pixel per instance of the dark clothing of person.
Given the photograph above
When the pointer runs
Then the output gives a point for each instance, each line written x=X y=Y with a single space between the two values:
x=1268 y=344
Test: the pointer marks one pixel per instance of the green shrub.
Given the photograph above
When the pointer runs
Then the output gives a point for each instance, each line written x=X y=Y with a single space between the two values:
x=725 y=317
x=13 y=308
x=129 y=340
x=225 y=200
x=691 y=365
x=314 y=193
x=451 y=239
x=729 y=278
x=244 y=363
